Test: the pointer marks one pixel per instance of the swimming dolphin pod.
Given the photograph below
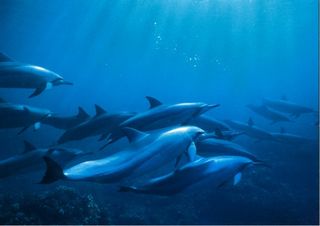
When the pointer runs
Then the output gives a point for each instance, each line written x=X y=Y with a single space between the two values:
x=14 y=74
x=175 y=141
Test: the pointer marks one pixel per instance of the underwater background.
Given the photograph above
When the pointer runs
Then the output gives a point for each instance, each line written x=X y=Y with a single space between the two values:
x=116 y=52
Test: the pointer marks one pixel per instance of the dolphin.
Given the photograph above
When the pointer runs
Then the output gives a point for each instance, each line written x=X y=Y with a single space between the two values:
x=292 y=139
x=102 y=123
x=214 y=147
x=222 y=135
x=288 y=107
x=147 y=153
x=215 y=172
x=209 y=124
x=31 y=159
x=21 y=116
x=160 y=116
x=250 y=129
x=68 y=122
x=19 y=75
x=265 y=112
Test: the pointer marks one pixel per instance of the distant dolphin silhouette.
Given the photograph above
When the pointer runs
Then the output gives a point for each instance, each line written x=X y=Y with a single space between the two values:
x=265 y=112
x=292 y=139
x=250 y=130
x=19 y=75
x=21 y=116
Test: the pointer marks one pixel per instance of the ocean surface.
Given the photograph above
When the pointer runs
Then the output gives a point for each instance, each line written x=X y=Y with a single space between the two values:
x=116 y=52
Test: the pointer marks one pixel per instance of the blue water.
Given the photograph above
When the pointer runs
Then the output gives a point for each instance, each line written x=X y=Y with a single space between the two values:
x=228 y=52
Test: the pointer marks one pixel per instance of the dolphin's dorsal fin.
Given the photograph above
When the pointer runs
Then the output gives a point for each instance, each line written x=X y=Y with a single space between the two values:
x=2 y=100
x=5 y=58
x=133 y=135
x=99 y=110
x=28 y=147
x=153 y=102
x=282 y=130
x=82 y=113
x=250 y=122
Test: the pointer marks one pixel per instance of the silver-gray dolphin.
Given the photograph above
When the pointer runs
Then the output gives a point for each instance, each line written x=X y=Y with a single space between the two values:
x=250 y=129
x=288 y=107
x=215 y=171
x=161 y=116
x=19 y=75
x=292 y=139
x=209 y=124
x=31 y=159
x=67 y=122
x=21 y=116
x=102 y=123
x=146 y=153
x=214 y=147
x=265 y=112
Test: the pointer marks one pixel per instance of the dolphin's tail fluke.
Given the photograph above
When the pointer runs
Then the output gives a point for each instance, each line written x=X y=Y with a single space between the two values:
x=127 y=189
x=53 y=172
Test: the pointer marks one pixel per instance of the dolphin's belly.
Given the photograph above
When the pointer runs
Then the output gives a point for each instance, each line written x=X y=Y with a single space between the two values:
x=104 y=170
x=14 y=119
x=20 y=79
x=22 y=163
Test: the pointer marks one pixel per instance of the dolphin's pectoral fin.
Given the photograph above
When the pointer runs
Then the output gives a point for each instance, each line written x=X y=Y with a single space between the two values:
x=39 y=90
x=104 y=136
x=237 y=178
x=127 y=189
x=36 y=126
x=178 y=160
x=133 y=135
x=231 y=181
x=28 y=147
x=22 y=130
x=191 y=152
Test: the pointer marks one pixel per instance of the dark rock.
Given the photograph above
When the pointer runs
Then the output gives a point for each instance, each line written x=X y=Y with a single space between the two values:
x=61 y=206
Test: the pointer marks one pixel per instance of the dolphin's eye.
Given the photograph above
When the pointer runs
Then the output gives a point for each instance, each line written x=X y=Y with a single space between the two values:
x=199 y=133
